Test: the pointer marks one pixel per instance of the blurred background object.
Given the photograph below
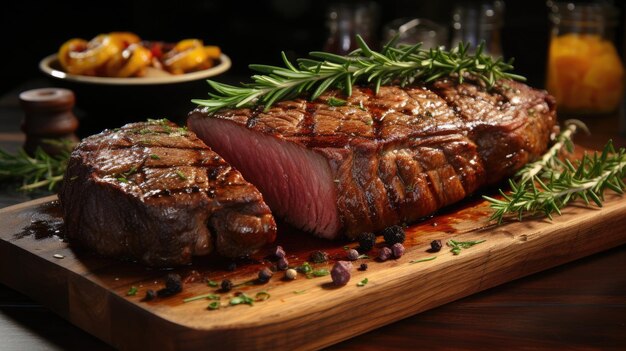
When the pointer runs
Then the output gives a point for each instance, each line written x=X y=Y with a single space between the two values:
x=48 y=119
x=585 y=72
x=414 y=30
x=474 y=22
x=249 y=32
x=346 y=19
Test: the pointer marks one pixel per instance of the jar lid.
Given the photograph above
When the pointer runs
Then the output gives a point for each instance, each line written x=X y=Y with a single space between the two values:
x=47 y=99
x=583 y=12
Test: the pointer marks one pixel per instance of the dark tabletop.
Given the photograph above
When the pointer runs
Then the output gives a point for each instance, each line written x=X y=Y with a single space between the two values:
x=576 y=306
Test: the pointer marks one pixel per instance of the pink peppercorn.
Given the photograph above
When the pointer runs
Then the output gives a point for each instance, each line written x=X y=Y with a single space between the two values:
x=341 y=272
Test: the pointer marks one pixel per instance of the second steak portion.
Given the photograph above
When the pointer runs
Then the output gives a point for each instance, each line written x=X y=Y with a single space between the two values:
x=381 y=159
x=156 y=193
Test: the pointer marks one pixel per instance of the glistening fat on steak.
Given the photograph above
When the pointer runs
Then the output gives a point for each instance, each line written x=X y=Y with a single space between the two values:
x=156 y=193
x=382 y=159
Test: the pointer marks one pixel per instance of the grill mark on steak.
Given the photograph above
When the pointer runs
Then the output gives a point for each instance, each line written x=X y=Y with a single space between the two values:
x=119 y=201
x=399 y=155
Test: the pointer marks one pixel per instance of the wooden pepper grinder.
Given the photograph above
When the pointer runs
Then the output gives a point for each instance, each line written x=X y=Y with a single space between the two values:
x=48 y=114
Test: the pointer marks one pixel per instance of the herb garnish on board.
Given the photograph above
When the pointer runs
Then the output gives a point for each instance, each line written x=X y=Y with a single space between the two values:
x=549 y=184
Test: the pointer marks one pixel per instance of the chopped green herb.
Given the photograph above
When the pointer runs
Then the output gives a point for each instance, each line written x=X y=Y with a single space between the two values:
x=214 y=305
x=362 y=282
x=363 y=256
x=122 y=179
x=202 y=297
x=457 y=246
x=155 y=157
x=74 y=178
x=423 y=260
x=212 y=283
x=262 y=296
x=299 y=292
x=363 y=109
x=305 y=268
x=318 y=273
x=132 y=291
x=346 y=247
x=181 y=175
x=242 y=299
x=131 y=171
x=333 y=101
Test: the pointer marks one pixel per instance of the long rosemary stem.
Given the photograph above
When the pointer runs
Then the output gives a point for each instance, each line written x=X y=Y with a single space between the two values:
x=403 y=65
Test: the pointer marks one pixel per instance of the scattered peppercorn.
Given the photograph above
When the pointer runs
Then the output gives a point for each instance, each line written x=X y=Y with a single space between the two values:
x=226 y=285
x=394 y=234
x=283 y=263
x=363 y=267
x=341 y=272
x=353 y=255
x=366 y=241
x=318 y=257
x=265 y=274
x=398 y=250
x=173 y=285
x=279 y=252
x=291 y=274
x=435 y=246
x=150 y=295
x=384 y=254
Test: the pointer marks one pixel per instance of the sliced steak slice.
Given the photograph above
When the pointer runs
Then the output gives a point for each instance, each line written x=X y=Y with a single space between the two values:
x=154 y=192
x=382 y=159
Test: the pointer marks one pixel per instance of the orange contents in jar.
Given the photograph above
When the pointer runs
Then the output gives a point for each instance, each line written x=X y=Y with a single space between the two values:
x=585 y=73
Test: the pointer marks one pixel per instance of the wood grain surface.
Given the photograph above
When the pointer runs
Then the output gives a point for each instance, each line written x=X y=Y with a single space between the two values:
x=90 y=291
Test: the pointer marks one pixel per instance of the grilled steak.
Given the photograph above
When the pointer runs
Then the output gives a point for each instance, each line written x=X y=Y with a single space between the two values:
x=154 y=192
x=382 y=159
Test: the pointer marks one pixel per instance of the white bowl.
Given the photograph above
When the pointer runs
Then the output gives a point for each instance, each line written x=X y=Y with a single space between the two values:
x=109 y=102
x=50 y=66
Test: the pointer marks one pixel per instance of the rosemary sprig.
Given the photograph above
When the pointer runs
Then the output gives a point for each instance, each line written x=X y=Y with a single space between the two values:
x=37 y=171
x=563 y=182
x=551 y=158
x=403 y=64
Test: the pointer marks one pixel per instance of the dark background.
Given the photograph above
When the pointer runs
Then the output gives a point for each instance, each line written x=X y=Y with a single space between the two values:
x=249 y=32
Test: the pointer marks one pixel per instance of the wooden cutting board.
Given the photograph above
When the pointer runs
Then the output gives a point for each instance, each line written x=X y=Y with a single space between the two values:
x=91 y=292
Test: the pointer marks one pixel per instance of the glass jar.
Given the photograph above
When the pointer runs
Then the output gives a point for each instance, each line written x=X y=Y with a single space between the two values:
x=585 y=72
x=346 y=19
x=478 y=22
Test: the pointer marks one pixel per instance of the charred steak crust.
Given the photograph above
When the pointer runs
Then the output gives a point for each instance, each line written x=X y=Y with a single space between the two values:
x=154 y=192
x=389 y=158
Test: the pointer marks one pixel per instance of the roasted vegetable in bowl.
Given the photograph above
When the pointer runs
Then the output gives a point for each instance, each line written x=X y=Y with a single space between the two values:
x=124 y=54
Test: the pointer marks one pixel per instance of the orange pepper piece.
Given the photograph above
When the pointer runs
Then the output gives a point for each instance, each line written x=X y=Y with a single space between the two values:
x=185 y=56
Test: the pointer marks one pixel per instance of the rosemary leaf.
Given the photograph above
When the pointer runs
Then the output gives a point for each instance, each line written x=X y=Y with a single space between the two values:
x=41 y=170
x=403 y=64
x=548 y=185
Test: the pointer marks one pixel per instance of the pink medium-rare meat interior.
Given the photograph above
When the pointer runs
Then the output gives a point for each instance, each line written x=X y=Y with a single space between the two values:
x=295 y=182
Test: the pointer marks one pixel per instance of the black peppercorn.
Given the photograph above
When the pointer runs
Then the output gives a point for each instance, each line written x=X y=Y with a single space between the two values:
x=265 y=274
x=150 y=295
x=366 y=241
x=394 y=234
x=226 y=285
x=435 y=246
x=173 y=285
x=363 y=267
